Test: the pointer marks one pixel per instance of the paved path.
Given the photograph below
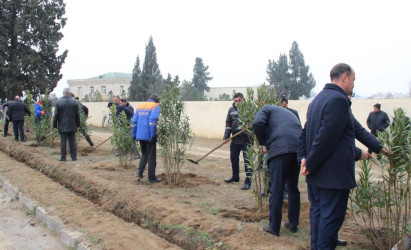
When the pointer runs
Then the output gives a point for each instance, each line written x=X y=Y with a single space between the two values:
x=19 y=231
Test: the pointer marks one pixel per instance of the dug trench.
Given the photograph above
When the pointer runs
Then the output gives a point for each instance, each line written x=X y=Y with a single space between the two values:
x=200 y=213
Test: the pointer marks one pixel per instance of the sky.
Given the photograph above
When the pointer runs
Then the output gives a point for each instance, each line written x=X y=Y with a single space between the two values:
x=236 y=38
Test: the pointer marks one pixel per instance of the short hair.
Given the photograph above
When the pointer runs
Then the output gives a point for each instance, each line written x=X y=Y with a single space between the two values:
x=238 y=94
x=338 y=70
x=284 y=99
x=123 y=100
x=117 y=96
x=66 y=91
x=377 y=105
x=77 y=98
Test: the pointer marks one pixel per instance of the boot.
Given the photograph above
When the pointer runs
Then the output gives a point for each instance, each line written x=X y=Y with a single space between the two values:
x=89 y=141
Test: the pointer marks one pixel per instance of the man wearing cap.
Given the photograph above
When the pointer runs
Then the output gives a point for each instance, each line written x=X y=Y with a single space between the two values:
x=144 y=129
x=377 y=121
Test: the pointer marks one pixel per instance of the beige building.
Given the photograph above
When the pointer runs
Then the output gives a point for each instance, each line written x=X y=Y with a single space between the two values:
x=117 y=83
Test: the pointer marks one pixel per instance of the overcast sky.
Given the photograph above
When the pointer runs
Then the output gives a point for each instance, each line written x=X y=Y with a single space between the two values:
x=236 y=39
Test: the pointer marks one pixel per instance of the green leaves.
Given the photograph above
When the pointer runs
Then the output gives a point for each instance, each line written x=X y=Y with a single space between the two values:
x=122 y=139
x=174 y=133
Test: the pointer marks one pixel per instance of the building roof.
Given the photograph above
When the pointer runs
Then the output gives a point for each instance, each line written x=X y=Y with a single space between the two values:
x=111 y=75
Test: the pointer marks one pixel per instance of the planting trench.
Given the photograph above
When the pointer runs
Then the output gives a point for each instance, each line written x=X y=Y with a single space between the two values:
x=195 y=215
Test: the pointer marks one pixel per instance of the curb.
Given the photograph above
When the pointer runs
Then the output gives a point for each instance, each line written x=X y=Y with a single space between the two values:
x=71 y=239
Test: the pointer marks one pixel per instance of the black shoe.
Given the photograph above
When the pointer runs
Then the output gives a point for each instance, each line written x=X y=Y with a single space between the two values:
x=268 y=230
x=246 y=186
x=290 y=227
x=23 y=140
x=139 y=174
x=231 y=180
x=341 y=242
x=75 y=159
x=156 y=180
x=62 y=160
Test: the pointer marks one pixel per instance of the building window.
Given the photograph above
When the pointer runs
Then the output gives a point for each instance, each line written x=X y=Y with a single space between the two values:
x=92 y=90
x=80 y=91
x=103 y=90
x=121 y=90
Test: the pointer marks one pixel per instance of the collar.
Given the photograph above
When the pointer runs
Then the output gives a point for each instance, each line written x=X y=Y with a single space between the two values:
x=339 y=89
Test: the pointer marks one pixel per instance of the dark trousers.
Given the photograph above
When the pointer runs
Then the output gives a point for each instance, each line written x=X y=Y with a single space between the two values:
x=6 y=126
x=235 y=150
x=18 y=127
x=71 y=138
x=148 y=154
x=284 y=169
x=327 y=213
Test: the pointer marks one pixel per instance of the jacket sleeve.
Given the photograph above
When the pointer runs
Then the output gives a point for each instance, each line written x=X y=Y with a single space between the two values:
x=260 y=123
x=228 y=128
x=333 y=122
x=357 y=153
x=77 y=114
x=369 y=121
x=11 y=113
x=152 y=121
x=134 y=124
x=387 y=120
x=366 y=138
x=302 y=146
x=56 y=116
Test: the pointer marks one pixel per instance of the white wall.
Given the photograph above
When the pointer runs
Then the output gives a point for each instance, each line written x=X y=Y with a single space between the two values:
x=207 y=119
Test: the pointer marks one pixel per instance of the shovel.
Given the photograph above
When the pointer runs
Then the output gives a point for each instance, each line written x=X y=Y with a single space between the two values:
x=45 y=136
x=100 y=144
x=219 y=146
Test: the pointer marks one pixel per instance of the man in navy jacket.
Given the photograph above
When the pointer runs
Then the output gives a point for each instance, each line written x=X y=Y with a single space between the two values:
x=327 y=153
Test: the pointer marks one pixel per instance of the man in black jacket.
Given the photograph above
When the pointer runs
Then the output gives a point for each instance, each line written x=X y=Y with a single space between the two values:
x=6 y=115
x=377 y=120
x=67 y=120
x=284 y=104
x=17 y=111
x=237 y=145
x=277 y=130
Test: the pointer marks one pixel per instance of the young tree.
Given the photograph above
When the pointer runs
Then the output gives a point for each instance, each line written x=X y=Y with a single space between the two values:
x=97 y=96
x=170 y=82
x=201 y=76
x=151 y=79
x=135 y=84
x=174 y=133
x=30 y=33
x=110 y=96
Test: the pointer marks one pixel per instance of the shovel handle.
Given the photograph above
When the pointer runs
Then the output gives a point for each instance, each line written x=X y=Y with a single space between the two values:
x=102 y=143
x=224 y=142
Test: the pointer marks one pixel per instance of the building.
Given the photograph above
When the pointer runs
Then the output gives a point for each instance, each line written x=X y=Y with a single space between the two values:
x=118 y=84
x=114 y=82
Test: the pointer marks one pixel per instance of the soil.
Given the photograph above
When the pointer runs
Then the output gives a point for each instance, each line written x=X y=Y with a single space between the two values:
x=115 y=210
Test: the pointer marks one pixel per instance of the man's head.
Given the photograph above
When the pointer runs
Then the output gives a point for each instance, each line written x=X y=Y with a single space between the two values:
x=17 y=98
x=155 y=98
x=117 y=100
x=344 y=76
x=284 y=102
x=77 y=99
x=123 y=102
x=66 y=92
x=377 y=107
x=238 y=97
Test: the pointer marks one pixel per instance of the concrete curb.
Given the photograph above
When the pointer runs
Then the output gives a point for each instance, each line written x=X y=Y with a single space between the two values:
x=71 y=239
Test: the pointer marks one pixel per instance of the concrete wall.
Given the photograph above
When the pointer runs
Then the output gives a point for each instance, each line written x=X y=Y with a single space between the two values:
x=207 y=119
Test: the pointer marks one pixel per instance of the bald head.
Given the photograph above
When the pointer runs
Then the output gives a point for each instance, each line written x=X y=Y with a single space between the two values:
x=17 y=98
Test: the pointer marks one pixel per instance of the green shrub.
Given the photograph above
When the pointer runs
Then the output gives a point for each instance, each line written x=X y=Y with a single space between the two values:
x=122 y=139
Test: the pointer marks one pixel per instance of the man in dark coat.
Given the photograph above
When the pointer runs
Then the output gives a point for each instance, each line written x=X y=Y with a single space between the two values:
x=238 y=144
x=17 y=111
x=284 y=104
x=67 y=120
x=327 y=152
x=377 y=120
x=6 y=115
x=277 y=131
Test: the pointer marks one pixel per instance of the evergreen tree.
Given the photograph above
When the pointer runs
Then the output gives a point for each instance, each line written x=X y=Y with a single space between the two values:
x=97 y=96
x=190 y=93
x=293 y=79
x=170 y=82
x=201 y=76
x=151 y=79
x=302 y=80
x=29 y=36
x=279 y=76
x=135 y=84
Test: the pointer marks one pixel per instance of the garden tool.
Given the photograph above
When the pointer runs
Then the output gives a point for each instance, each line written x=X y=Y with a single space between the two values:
x=45 y=136
x=219 y=146
x=100 y=144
